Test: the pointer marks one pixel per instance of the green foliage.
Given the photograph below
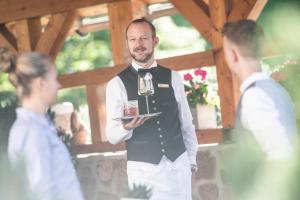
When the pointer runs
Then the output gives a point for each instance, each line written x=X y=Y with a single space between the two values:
x=7 y=98
x=85 y=53
x=75 y=95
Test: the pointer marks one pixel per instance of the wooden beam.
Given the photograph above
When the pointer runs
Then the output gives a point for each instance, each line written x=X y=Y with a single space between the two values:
x=85 y=29
x=5 y=42
x=51 y=33
x=12 y=10
x=98 y=148
x=224 y=77
x=23 y=36
x=66 y=28
x=7 y=38
x=190 y=61
x=257 y=9
x=241 y=9
x=102 y=75
x=93 y=11
x=196 y=16
x=204 y=137
x=120 y=15
x=209 y=136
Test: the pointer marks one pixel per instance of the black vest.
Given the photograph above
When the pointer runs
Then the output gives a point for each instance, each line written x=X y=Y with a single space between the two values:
x=160 y=135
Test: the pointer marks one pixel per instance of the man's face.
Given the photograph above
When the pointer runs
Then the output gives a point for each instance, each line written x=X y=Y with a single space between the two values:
x=140 y=42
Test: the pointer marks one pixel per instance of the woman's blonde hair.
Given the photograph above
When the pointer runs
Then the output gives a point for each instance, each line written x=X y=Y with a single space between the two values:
x=24 y=68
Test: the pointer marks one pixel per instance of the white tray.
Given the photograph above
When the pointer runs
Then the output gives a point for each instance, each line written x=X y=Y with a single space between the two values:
x=139 y=116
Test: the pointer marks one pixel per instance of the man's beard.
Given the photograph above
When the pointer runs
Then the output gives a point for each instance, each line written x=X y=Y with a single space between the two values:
x=144 y=58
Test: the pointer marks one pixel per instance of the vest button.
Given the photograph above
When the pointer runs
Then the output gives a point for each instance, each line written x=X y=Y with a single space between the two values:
x=159 y=129
x=154 y=108
x=158 y=122
x=160 y=136
x=153 y=101
x=162 y=143
x=163 y=150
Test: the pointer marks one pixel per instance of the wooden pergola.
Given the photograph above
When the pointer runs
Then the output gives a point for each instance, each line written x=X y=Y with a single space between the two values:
x=43 y=26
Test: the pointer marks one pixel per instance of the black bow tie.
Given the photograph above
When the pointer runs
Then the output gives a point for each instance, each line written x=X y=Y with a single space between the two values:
x=142 y=72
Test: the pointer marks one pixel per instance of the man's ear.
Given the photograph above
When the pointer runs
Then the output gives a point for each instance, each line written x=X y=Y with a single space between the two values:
x=156 y=40
x=235 y=54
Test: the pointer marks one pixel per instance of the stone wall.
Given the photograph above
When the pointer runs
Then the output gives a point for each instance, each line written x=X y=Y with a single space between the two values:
x=104 y=177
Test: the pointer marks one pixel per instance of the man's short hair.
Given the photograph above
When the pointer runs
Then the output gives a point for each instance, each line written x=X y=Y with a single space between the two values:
x=143 y=20
x=247 y=35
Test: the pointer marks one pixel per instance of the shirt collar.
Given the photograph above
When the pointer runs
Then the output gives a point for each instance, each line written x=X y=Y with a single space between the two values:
x=253 y=78
x=25 y=113
x=136 y=66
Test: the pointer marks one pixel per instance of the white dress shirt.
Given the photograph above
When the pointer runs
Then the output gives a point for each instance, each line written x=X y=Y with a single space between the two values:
x=260 y=114
x=51 y=175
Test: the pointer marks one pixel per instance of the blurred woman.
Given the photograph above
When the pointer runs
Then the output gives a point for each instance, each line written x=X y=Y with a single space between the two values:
x=33 y=139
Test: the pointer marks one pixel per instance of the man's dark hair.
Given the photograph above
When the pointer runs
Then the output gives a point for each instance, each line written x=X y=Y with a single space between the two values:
x=143 y=20
x=247 y=35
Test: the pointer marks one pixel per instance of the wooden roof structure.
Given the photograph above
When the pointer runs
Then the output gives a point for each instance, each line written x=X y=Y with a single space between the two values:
x=43 y=26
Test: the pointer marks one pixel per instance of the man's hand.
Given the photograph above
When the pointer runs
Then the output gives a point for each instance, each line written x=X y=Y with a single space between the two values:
x=135 y=122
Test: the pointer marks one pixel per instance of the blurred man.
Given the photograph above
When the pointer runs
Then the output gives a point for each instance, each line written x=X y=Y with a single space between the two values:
x=265 y=109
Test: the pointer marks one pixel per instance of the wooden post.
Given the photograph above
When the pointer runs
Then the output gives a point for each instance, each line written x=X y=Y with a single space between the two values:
x=120 y=15
x=225 y=83
x=94 y=112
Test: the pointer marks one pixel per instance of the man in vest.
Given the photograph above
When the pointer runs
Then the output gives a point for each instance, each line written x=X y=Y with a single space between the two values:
x=161 y=151
x=265 y=112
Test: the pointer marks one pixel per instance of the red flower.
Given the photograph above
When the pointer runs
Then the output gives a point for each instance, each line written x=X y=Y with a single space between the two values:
x=187 y=77
x=200 y=72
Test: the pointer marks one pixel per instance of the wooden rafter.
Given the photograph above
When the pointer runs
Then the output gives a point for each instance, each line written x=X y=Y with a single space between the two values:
x=12 y=10
x=66 y=28
x=241 y=9
x=7 y=38
x=257 y=9
x=203 y=5
x=50 y=34
x=102 y=75
x=196 y=16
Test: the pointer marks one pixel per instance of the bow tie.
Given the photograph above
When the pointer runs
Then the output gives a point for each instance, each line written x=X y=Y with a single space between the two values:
x=142 y=72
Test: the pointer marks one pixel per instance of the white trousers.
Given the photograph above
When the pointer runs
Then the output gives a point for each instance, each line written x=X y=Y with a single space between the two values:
x=168 y=180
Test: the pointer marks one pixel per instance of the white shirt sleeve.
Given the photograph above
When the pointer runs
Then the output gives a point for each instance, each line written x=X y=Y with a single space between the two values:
x=185 y=116
x=260 y=116
x=116 y=97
